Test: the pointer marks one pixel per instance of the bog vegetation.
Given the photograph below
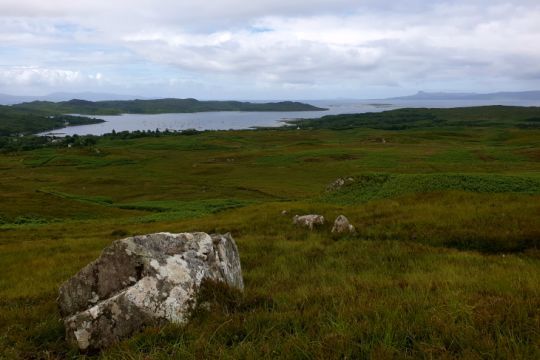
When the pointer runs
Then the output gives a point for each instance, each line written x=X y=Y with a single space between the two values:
x=444 y=264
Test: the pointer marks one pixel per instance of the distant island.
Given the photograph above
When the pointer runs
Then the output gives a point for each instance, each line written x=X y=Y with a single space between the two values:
x=157 y=106
x=508 y=95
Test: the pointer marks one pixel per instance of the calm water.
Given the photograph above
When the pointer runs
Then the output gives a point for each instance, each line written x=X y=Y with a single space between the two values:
x=225 y=120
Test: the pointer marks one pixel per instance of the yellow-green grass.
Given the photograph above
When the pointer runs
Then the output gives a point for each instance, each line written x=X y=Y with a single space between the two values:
x=306 y=292
x=431 y=273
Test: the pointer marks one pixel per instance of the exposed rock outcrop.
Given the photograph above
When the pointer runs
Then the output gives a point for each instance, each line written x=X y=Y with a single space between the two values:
x=342 y=225
x=144 y=280
x=309 y=221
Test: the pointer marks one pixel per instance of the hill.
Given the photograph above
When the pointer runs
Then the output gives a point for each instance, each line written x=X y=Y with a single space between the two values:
x=16 y=121
x=157 y=106
x=412 y=118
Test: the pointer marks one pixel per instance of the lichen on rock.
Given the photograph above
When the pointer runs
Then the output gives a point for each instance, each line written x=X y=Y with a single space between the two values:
x=144 y=280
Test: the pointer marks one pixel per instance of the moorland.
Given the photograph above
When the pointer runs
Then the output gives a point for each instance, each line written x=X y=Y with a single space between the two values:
x=444 y=264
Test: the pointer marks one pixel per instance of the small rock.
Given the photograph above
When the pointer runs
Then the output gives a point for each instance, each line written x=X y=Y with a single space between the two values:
x=308 y=220
x=339 y=183
x=284 y=212
x=144 y=280
x=342 y=225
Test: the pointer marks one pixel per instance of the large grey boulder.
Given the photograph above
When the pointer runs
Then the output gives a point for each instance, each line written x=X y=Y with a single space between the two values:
x=309 y=221
x=144 y=280
x=342 y=225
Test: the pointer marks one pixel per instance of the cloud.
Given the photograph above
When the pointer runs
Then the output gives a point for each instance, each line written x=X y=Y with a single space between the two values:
x=35 y=76
x=306 y=49
x=315 y=44
x=273 y=55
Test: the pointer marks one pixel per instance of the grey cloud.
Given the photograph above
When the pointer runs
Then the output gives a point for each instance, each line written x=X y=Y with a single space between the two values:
x=338 y=44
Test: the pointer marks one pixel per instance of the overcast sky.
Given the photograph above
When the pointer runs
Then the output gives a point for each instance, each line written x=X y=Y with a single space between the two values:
x=268 y=49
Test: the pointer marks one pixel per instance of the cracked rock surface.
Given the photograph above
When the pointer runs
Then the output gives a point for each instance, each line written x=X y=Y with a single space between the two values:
x=144 y=280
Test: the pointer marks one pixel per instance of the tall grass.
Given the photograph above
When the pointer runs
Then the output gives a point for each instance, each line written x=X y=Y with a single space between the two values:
x=444 y=263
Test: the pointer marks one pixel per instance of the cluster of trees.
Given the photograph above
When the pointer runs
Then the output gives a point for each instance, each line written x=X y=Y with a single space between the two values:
x=124 y=135
x=24 y=143
x=31 y=142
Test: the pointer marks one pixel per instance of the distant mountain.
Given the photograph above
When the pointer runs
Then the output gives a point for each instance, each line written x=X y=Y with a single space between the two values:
x=6 y=99
x=89 y=96
x=520 y=95
x=156 y=106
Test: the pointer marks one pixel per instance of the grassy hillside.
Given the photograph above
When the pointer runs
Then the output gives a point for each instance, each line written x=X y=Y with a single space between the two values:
x=157 y=106
x=445 y=262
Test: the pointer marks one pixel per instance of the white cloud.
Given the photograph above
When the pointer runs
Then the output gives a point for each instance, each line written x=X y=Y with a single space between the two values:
x=306 y=49
x=275 y=55
x=348 y=44
x=36 y=76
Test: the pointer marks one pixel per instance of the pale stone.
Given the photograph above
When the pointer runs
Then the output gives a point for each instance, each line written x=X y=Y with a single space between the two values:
x=309 y=221
x=342 y=225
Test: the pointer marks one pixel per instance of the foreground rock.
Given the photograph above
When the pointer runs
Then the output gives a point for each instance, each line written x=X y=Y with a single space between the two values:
x=309 y=221
x=342 y=225
x=144 y=280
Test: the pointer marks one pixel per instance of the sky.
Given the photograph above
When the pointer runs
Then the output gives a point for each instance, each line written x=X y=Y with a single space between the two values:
x=268 y=49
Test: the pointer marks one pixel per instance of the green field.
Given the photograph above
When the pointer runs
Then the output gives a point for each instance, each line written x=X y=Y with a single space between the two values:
x=445 y=262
